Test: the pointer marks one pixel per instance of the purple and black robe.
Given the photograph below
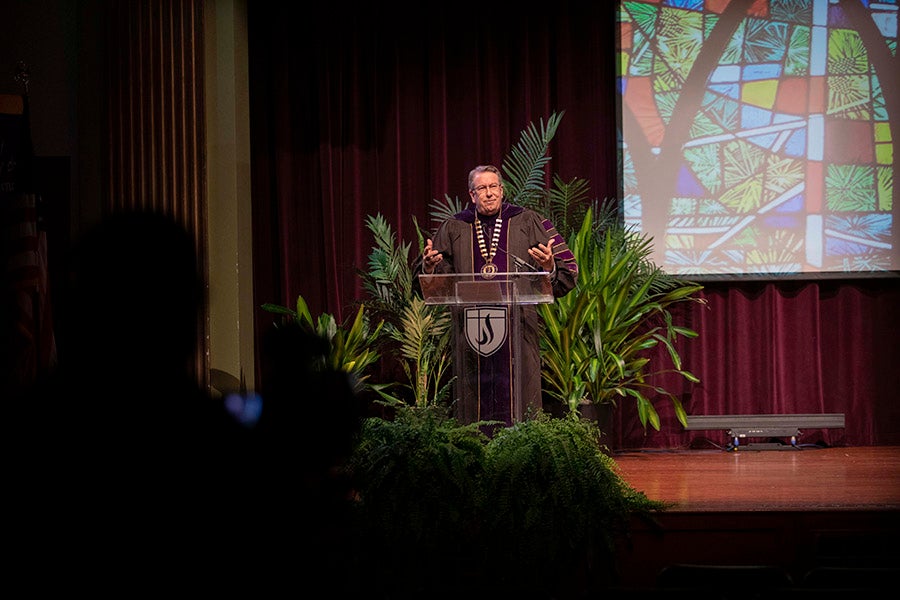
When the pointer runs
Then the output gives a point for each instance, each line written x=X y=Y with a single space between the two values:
x=493 y=376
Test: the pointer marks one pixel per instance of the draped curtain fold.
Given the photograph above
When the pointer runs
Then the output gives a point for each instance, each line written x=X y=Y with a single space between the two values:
x=358 y=110
x=155 y=136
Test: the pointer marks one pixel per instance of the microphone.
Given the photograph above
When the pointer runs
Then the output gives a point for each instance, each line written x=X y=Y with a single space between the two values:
x=518 y=261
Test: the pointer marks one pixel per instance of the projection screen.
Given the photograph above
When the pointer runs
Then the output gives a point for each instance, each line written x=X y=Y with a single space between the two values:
x=756 y=137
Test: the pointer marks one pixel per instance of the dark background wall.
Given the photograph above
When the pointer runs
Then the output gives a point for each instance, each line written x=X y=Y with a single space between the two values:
x=59 y=44
x=59 y=41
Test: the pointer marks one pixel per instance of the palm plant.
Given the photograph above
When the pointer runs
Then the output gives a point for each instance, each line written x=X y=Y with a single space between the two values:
x=524 y=173
x=415 y=334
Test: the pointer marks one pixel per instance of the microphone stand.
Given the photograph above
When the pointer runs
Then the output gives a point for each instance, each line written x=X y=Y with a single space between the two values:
x=519 y=262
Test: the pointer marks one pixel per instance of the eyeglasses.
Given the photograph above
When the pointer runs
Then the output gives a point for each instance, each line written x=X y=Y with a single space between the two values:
x=482 y=189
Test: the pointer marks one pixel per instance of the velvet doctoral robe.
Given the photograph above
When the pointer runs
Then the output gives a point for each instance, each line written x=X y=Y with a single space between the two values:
x=493 y=376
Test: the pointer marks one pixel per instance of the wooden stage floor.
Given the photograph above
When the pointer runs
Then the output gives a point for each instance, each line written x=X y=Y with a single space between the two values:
x=799 y=510
x=805 y=479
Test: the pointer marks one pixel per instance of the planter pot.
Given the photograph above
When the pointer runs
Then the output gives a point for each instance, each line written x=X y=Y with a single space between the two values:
x=599 y=413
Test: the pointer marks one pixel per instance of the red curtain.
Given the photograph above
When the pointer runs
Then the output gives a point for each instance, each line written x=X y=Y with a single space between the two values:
x=365 y=110
x=798 y=347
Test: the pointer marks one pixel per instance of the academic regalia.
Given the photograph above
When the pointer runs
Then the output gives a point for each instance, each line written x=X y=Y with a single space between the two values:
x=519 y=228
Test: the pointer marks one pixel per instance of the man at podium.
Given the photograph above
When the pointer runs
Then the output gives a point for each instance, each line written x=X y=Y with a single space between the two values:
x=489 y=238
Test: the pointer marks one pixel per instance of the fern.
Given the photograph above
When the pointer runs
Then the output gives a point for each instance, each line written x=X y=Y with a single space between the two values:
x=524 y=512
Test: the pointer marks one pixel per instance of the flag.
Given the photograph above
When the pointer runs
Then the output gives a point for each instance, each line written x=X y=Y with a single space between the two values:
x=28 y=340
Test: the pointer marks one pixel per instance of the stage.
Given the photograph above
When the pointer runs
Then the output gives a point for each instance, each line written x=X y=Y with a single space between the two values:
x=803 y=511
x=805 y=479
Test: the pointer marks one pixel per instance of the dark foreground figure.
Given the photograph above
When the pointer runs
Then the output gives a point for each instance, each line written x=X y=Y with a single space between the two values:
x=125 y=476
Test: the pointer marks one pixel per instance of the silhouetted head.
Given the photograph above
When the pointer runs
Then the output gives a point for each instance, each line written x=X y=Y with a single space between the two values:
x=136 y=291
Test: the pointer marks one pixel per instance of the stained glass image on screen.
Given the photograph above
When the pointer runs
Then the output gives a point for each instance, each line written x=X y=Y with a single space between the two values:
x=756 y=137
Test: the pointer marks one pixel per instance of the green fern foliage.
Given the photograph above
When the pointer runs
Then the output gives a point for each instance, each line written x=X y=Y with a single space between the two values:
x=551 y=475
x=417 y=478
x=525 y=512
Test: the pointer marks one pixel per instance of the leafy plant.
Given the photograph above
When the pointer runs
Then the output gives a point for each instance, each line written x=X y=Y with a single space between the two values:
x=415 y=334
x=557 y=503
x=417 y=478
x=423 y=335
x=524 y=174
x=566 y=358
x=531 y=510
x=598 y=339
x=351 y=347
x=389 y=280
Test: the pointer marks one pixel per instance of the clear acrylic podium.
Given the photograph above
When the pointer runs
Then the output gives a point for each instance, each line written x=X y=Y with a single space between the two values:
x=487 y=338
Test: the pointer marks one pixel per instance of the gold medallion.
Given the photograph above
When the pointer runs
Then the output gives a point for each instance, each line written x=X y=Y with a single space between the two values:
x=489 y=270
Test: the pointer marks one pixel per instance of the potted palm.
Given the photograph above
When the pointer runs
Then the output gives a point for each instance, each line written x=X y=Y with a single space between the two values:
x=415 y=337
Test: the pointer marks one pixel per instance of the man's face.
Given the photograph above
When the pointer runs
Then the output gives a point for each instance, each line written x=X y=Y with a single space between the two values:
x=487 y=193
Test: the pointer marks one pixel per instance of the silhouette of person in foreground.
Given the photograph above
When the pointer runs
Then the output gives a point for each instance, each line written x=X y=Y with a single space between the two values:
x=126 y=375
x=310 y=422
x=128 y=476
x=120 y=452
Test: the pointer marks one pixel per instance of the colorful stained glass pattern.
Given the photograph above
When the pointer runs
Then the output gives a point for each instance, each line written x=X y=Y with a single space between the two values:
x=756 y=136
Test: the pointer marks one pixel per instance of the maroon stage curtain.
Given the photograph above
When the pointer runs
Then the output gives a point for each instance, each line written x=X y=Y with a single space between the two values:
x=374 y=109
x=365 y=110
x=789 y=347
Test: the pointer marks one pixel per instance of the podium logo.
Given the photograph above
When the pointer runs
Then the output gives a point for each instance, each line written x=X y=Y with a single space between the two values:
x=486 y=329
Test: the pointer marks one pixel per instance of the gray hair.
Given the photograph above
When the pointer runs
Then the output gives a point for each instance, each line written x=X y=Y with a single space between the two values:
x=484 y=169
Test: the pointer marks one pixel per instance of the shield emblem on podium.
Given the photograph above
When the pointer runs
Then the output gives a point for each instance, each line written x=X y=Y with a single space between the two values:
x=486 y=329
